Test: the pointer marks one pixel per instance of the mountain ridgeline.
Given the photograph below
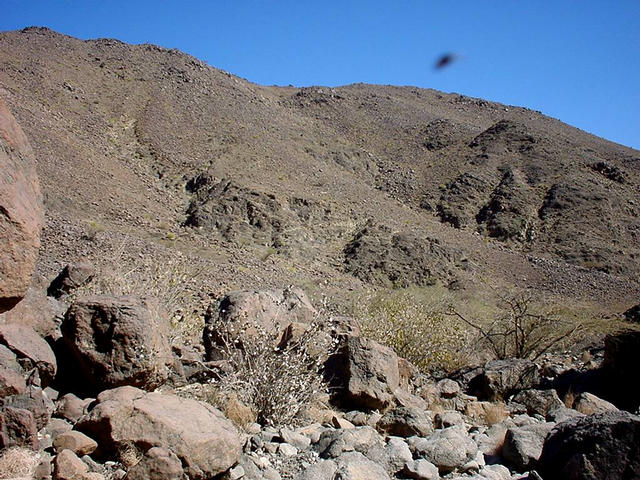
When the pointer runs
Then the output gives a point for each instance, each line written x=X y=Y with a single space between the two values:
x=150 y=153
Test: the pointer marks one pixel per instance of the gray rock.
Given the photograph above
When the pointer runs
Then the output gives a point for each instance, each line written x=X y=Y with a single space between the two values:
x=397 y=454
x=365 y=373
x=322 y=470
x=355 y=466
x=539 y=402
x=603 y=446
x=523 y=445
x=421 y=469
x=333 y=443
x=406 y=422
x=449 y=449
x=448 y=418
x=301 y=442
x=158 y=463
x=448 y=388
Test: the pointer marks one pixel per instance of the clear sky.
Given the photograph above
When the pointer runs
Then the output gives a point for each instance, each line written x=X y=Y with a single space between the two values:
x=578 y=60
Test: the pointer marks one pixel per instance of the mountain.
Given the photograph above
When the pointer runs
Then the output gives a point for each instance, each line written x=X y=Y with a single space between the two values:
x=149 y=157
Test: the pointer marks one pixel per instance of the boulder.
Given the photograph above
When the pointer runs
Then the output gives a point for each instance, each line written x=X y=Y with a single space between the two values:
x=632 y=314
x=502 y=378
x=206 y=443
x=71 y=407
x=17 y=428
x=421 y=469
x=11 y=374
x=21 y=211
x=75 y=441
x=37 y=311
x=406 y=422
x=36 y=401
x=355 y=466
x=117 y=341
x=365 y=374
x=523 y=445
x=396 y=454
x=31 y=350
x=448 y=388
x=361 y=439
x=448 y=449
x=605 y=446
x=158 y=463
x=322 y=470
x=589 y=404
x=539 y=402
x=270 y=311
x=71 y=277
x=67 y=466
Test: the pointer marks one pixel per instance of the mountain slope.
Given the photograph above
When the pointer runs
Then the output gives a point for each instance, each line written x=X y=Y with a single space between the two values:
x=150 y=155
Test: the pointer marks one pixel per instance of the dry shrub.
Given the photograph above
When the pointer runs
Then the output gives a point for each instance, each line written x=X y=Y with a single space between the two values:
x=18 y=462
x=495 y=413
x=173 y=282
x=275 y=381
x=129 y=455
x=238 y=412
x=412 y=322
x=569 y=398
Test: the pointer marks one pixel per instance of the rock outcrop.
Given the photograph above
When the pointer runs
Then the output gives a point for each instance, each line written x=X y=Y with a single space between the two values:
x=21 y=211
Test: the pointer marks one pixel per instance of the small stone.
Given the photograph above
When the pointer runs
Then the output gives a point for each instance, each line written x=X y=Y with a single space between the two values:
x=448 y=388
x=296 y=439
x=421 y=470
x=339 y=422
x=287 y=450
x=236 y=472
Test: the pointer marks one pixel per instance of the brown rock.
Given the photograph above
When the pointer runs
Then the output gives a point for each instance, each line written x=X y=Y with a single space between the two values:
x=589 y=404
x=366 y=373
x=21 y=213
x=75 y=441
x=117 y=341
x=158 y=464
x=271 y=311
x=71 y=407
x=67 y=466
x=17 y=428
x=37 y=311
x=30 y=346
x=11 y=374
x=34 y=400
x=71 y=277
x=202 y=438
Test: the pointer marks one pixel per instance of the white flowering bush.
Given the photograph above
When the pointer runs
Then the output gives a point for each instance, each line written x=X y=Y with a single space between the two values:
x=276 y=378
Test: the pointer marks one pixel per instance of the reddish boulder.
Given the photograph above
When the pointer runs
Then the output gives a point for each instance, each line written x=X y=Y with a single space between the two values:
x=21 y=212
x=117 y=341
x=31 y=349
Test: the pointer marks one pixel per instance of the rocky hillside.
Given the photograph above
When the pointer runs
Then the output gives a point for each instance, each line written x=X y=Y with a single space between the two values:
x=334 y=189
x=175 y=195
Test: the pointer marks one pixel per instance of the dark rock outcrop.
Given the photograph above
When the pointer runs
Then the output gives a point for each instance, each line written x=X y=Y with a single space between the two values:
x=605 y=446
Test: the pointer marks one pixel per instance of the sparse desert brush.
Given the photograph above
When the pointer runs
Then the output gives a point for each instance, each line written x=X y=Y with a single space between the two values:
x=18 y=462
x=276 y=380
x=413 y=323
x=495 y=413
x=173 y=282
x=523 y=326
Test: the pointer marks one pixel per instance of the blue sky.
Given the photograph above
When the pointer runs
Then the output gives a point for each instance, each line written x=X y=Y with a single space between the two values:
x=578 y=61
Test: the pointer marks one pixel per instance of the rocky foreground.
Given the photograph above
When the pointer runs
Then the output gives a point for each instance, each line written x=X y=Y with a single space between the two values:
x=91 y=388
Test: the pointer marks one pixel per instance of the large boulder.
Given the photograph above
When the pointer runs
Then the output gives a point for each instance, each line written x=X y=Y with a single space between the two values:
x=249 y=312
x=365 y=374
x=11 y=374
x=605 y=446
x=117 y=341
x=206 y=443
x=21 y=212
x=523 y=445
x=502 y=378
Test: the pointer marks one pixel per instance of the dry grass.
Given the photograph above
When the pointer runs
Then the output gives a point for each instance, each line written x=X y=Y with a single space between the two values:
x=495 y=413
x=18 y=463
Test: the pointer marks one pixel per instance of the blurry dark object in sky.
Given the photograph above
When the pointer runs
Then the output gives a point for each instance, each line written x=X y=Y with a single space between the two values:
x=445 y=60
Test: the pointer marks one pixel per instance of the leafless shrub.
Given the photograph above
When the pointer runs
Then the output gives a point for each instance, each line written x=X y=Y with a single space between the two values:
x=275 y=379
x=520 y=330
